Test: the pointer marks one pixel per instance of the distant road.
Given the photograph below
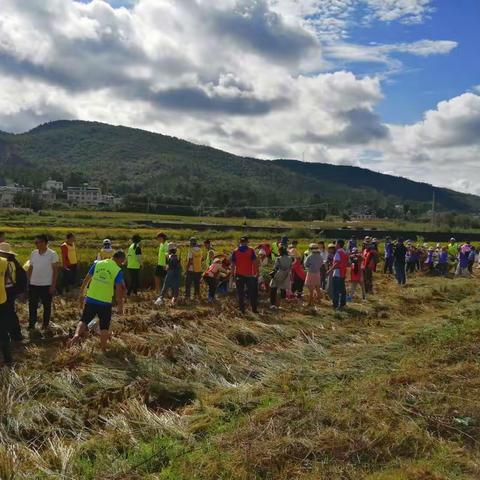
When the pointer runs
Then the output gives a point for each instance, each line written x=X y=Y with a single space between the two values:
x=327 y=232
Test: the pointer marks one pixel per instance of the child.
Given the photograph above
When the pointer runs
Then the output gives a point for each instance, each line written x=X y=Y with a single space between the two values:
x=211 y=276
x=443 y=262
x=356 y=274
x=172 y=278
x=429 y=260
x=298 y=278
x=313 y=265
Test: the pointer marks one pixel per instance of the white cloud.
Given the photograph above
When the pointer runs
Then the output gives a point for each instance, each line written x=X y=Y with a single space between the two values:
x=248 y=76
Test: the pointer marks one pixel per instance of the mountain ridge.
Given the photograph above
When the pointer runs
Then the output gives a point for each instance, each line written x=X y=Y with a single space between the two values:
x=131 y=161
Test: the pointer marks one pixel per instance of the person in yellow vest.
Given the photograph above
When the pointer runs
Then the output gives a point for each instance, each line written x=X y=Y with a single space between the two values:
x=453 y=253
x=134 y=264
x=194 y=269
x=15 y=285
x=103 y=282
x=69 y=262
x=4 y=315
x=210 y=253
x=161 y=268
x=106 y=252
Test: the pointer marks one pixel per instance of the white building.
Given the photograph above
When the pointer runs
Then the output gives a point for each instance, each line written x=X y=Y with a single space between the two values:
x=52 y=186
x=84 y=195
x=7 y=196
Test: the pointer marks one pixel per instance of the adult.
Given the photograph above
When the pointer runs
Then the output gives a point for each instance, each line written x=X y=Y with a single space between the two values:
x=400 y=256
x=4 y=319
x=42 y=277
x=388 y=254
x=15 y=285
x=107 y=251
x=323 y=268
x=134 y=264
x=352 y=243
x=281 y=278
x=103 y=281
x=339 y=273
x=368 y=266
x=69 y=262
x=313 y=266
x=209 y=253
x=161 y=268
x=194 y=269
x=245 y=269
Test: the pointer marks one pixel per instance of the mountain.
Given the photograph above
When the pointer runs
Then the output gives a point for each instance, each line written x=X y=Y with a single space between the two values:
x=145 y=165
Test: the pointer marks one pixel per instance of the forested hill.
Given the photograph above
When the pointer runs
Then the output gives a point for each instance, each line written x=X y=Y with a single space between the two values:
x=141 y=164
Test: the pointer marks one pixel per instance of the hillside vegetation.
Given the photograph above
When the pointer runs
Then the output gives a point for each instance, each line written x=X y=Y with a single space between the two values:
x=145 y=165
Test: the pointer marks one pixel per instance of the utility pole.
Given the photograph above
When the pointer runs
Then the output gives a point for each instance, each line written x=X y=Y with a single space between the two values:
x=433 y=209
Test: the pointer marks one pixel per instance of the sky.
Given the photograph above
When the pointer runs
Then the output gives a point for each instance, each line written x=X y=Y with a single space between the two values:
x=390 y=85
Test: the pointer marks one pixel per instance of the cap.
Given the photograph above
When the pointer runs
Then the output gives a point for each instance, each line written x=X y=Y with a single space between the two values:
x=172 y=246
x=107 y=241
x=243 y=239
x=313 y=246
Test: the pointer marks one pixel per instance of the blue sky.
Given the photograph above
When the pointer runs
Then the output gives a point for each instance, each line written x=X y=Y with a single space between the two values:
x=383 y=84
x=426 y=82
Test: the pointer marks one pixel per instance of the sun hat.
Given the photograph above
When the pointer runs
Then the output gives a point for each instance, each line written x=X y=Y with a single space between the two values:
x=313 y=246
x=6 y=248
x=172 y=246
x=331 y=245
x=107 y=241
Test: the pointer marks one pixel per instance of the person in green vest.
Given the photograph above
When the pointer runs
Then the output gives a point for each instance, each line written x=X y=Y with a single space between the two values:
x=103 y=281
x=210 y=253
x=161 y=268
x=134 y=264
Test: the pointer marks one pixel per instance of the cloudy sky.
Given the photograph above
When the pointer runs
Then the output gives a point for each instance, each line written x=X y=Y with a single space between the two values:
x=390 y=85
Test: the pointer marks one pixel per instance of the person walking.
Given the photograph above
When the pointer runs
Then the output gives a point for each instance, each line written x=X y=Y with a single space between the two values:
x=313 y=267
x=388 y=254
x=161 y=268
x=103 y=282
x=15 y=285
x=134 y=264
x=194 y=269
x=173 y=276
x=399 y=256
x=42 y=277
x=245 y=269
x=69 y=263
x=281 y=277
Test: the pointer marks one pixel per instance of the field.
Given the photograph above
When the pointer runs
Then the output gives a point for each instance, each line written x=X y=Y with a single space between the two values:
x=386 y=390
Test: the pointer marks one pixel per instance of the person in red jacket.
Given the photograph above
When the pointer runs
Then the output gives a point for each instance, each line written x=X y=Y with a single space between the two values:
x=298 y=278
x=245 y=268
x=368 y=266
x=356 y=273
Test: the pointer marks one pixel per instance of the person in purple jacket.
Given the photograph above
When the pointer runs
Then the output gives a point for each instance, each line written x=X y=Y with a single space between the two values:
x=463 y=256
x=389 y=258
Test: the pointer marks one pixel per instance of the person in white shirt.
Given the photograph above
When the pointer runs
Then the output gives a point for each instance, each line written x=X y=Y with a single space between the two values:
x=42 y=276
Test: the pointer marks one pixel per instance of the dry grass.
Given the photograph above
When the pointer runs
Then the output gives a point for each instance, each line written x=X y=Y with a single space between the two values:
x=386 y=390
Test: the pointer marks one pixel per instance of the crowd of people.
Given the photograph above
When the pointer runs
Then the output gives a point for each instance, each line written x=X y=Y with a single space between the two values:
x=279 y=270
